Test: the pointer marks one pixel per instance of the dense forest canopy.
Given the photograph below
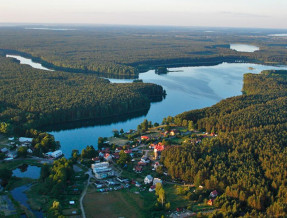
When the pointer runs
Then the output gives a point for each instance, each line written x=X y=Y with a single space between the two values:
x=247 y=161
x=31 y=98
x=129 y=50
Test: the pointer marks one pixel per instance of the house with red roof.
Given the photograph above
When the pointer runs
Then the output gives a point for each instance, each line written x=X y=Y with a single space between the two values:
x=213 y=194
x=210 y=202
x=143 y=137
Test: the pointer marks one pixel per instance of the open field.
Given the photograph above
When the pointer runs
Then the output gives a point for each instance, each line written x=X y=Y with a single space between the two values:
x=114 y=204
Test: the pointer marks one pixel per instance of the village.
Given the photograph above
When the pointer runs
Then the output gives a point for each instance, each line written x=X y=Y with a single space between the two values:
x=126 y=166
x=131 y=162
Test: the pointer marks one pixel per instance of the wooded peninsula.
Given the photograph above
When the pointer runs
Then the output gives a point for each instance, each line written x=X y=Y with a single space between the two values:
x=32 y=98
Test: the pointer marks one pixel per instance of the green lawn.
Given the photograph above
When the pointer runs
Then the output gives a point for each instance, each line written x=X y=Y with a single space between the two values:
x=116 y=204
x=12 y=164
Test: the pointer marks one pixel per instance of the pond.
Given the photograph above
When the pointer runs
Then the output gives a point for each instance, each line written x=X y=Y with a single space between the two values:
x=244 y=47
x=20 y=196
x=26 y=171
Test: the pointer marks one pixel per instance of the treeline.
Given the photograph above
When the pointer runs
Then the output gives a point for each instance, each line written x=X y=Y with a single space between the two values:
x=32 y=98
x=246 y=163
x=128 y=51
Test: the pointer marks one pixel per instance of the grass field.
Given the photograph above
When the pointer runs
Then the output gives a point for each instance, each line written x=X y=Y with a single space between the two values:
x=115 y=204
x=12 y=164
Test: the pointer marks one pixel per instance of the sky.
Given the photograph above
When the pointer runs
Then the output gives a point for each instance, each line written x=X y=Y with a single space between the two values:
x=211 y=13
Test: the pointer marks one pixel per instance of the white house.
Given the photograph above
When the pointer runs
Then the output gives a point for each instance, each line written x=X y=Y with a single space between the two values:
x=156 y=180
x=148 y=179
x=57 y=154
x=24 y=139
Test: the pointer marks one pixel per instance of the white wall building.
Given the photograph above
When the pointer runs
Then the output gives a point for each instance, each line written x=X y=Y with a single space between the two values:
x=57 y=154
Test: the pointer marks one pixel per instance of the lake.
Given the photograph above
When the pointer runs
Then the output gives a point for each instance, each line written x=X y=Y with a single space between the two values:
x=244 y=47
x=187 y=88
x=279 y=35
x=28 y=62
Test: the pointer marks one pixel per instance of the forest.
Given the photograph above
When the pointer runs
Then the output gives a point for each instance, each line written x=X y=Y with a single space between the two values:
x=32 y=98
x=246 y=163
x=127 y=51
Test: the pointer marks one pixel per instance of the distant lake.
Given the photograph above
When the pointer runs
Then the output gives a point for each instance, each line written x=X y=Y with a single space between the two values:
x=244 y=47
x=47 y=28
x=279 y=35
x=187 y=88
x=28 y=61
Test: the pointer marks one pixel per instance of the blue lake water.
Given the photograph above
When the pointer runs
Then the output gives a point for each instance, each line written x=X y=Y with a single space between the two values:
x=32 y=172
x=187 y=88
x=20 y=196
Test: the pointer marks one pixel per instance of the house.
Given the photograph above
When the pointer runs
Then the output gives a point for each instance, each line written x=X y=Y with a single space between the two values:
x=210 y=202
x=118 y=149
x=108 y=157
x=143 y=137
x=12 y=155
x=96 y=159
x=25 y=140
x=145 y=159
x=157 y=180
x=102 y=170
x=71 y=202
x=173 y=132
x=141 y=163
x=213 y=194
x=129 y=151
x=156 y=165
x=148 y=179
x=30 y=151
x=159 y=147
x=116 y=155
x=56 y=154
x=138 y=169
x=152 y=188
x=138 y=184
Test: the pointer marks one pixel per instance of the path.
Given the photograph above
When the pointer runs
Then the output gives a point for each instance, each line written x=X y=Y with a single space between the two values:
x=84 y=193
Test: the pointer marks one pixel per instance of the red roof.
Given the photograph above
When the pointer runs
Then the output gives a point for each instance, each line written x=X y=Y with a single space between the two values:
x=214 y=193
x=107 y=155
x=128 y=151
x=141 y=163
x=138 y=168
x=159 y=147
x=144 y=137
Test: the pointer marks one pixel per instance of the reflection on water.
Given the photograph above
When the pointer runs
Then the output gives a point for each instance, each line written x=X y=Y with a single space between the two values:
x=187 y=88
